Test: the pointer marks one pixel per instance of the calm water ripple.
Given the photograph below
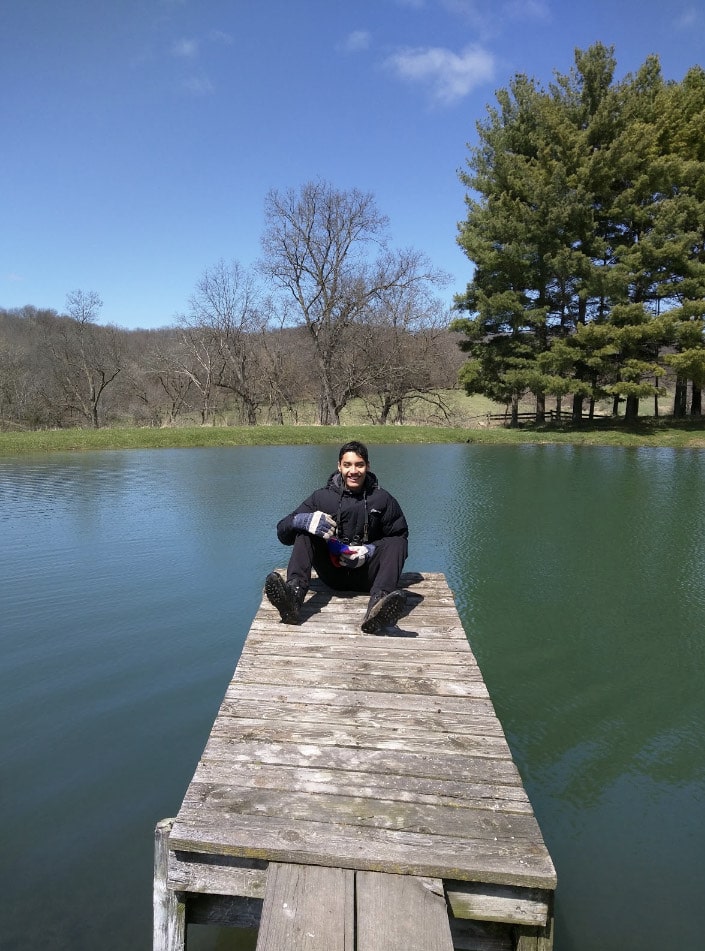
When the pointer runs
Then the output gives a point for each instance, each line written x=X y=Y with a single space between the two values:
x=129 y=580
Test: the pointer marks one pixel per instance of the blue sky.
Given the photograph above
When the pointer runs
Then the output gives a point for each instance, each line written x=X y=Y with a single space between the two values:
x=140 y=137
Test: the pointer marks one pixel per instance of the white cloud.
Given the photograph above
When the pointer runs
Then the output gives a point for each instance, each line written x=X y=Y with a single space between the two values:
x=188 y=49
x=357 y=41
x=450 y=76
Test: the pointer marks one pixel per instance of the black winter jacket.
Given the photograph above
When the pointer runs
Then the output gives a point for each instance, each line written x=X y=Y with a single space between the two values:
x=361 y=517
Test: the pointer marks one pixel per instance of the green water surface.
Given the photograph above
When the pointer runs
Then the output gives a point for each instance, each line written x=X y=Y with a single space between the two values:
x=129 y=579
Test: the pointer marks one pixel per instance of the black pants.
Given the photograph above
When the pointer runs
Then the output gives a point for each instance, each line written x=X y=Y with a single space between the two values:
x=379 y=573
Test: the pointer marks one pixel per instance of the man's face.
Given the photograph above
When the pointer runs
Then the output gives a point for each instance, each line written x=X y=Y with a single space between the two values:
x=353 y=469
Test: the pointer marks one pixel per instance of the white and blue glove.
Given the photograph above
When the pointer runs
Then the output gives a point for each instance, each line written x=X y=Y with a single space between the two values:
x=315 y=523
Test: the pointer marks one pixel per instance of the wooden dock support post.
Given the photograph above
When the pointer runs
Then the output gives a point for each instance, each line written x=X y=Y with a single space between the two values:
x=169 y=911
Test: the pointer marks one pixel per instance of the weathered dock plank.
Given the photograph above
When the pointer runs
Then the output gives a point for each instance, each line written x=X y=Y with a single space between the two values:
x=479 y=722
x=337 y=734
x=359 y=699
x=403 y=762
x=308 y=909
x=401 y=913
x=382 y=756
x=417 y=789
x=502 y=861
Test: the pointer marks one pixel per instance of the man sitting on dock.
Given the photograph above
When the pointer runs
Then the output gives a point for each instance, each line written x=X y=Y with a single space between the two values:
x=354 y=533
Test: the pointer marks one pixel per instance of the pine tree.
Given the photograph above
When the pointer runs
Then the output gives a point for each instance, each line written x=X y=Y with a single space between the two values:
x=585 y=226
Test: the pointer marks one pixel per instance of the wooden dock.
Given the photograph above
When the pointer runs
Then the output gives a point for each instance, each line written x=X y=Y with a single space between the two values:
x=357 y=793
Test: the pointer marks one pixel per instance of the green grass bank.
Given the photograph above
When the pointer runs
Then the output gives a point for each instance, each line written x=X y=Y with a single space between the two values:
x=685 y=434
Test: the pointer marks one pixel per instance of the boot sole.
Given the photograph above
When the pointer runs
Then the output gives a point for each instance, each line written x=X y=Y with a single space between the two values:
x=385 y=613
x=278 y=594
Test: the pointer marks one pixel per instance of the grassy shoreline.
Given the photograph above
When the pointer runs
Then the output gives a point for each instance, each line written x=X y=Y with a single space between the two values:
x=682 y=434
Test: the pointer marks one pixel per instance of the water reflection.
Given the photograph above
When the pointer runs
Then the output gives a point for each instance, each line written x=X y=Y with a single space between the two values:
x=581 y=593
x=128 y=583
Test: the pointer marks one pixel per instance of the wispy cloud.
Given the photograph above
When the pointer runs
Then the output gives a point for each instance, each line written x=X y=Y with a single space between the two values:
x=218 y=36
x=528 y=10
x=449 y=76
x=687 y=19
x=196 y=48
x=465 y=8
x=357 y=41
x=188 y=49
x=13 y=278
x=489 y=19
x=198 y=85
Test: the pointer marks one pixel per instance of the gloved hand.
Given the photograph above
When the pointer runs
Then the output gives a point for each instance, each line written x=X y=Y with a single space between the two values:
x=315 y=523
x=348 y=556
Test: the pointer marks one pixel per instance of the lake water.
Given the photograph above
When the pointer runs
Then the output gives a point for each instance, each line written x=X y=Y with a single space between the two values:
x=129 y=580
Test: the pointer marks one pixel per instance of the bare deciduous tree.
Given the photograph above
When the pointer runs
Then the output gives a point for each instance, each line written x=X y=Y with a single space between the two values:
x=224 y=328
x=160 y=391
x=86 y=358
x=327 y=249
x=403 y=346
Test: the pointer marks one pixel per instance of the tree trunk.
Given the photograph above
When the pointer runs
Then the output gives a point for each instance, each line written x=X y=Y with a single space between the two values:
x=696 y=401
x=631 y=410
x=384 y=411
x=93 y=403
x=680 y=397
x=577 y=414
x=514 y=420
x=540 y=408
x=328 y=411
x=251 y=413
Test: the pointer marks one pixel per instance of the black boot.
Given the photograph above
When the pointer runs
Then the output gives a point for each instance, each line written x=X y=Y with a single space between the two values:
x=383 y=610
x=286 y=597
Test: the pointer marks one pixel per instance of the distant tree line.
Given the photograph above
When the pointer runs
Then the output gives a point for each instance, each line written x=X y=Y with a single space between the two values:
x=329 y=315
x=586 y=226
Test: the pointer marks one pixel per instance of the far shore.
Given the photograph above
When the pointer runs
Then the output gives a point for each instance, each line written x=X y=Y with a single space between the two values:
x=649 y=432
